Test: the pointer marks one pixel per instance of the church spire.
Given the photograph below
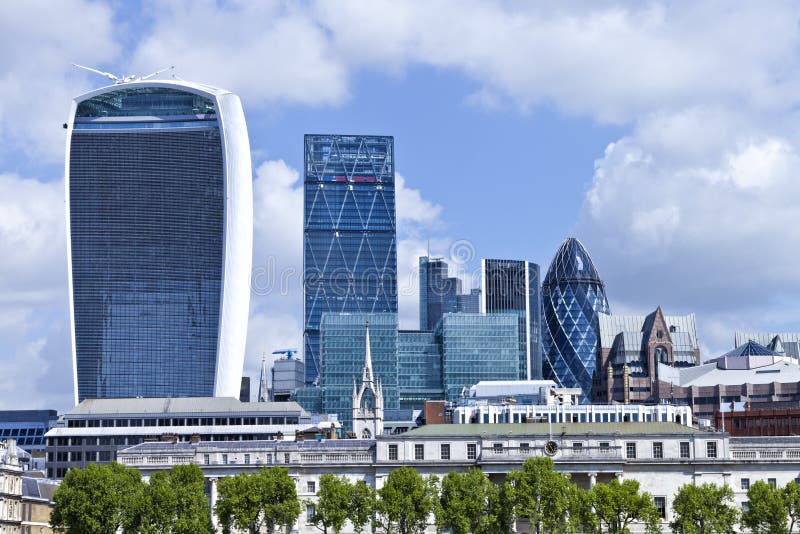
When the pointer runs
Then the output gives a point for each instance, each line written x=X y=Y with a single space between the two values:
x=367 y=375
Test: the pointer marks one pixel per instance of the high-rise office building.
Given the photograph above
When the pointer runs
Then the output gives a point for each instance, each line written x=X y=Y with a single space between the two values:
x=438 y=291
x=160 y=233
x=343 y=346
x=477 y=347
x=572 y=296
x=349 y=233
x=512 y=286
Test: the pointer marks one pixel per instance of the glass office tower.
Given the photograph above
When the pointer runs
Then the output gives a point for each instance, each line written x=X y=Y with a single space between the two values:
x=438 y=292
x=572 y=296
x=342 y=339
x=159 y=224
x=512 y=286
x=477 y=347
x=419 y=364
x=349 y=233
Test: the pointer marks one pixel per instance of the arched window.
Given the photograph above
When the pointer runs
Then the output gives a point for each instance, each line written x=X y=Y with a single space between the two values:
x=366 y=434
x=661 y=354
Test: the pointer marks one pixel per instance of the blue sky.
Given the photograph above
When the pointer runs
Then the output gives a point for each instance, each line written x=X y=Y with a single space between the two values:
x=662 y=134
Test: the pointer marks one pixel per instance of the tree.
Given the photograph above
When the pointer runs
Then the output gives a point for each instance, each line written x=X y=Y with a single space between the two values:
x=704 y=509
x=766 y=513
x=464 y=501
x=406 y=501
x=267 y=498
x=616 y=505
x=542 y=495
x=362 y=505
x=333 y=503
x=791 y=497
x=174 y=502
x=97 y=500
x=500 y=519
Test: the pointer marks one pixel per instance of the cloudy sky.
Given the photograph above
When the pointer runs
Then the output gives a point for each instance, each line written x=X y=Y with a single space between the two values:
x=663 y=134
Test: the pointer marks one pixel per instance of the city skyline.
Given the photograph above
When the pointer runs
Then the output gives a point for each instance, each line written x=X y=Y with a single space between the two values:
x=614 y=102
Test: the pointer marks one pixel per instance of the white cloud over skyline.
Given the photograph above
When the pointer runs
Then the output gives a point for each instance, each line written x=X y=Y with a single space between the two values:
x=692 y=208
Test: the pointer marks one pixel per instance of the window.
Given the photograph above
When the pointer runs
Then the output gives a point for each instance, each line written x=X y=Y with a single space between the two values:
x=604 y=445
x=745 y=484
x=393 y=452
x=445 y=450
x=224 y=458
x=497 y=447
x=711 y=449
x=524 y=448
x=311 y=486
x=772 y=482
x=658 y=450
x=105 y=456
x=472 y=451
x=630 y=450
x=419 y=451
x=310 y=512
x=745 y=506
x=286 y=458
x=661 y=504
x=247 y=459
x=577 y=447
x=206 y=459
x=684 y=449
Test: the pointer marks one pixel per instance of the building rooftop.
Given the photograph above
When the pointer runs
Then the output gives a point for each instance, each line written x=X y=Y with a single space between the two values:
x=327 y=444
x=683 y=329
x=182 y=405
x=710 y=374
x=751 y=348
x=543 y=429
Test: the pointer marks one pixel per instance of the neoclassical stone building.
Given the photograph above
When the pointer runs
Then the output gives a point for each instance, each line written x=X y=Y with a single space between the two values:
x=661 y=456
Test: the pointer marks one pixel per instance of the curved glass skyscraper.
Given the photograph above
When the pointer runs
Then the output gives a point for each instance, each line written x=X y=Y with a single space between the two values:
x=572 y=296
x=160 y=233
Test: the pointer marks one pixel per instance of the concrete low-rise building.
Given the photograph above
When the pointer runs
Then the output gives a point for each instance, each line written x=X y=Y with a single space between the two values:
x=96 y=429
x=661 y=456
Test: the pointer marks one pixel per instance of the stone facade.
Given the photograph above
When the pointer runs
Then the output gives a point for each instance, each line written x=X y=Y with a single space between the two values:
x=10 y=489
x=661 y=456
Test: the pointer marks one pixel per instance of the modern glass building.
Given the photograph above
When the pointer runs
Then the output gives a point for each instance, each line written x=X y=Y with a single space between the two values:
x=28 y=427
x=419 y=362
x=159 y=226
x=342 y=340
x=349 y=233
x=572 y=296
x=438 y=291
x=471 y=302
x=512 y=286
x=477 y=347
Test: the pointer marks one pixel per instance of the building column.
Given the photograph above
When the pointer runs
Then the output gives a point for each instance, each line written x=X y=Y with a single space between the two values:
x=592 y=479
x=213 y=499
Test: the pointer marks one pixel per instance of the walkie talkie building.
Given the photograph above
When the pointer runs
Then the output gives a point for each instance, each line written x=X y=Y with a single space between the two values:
x=160 y=233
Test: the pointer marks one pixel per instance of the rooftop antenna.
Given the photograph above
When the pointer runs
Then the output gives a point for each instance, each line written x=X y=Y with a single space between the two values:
x=123 y=79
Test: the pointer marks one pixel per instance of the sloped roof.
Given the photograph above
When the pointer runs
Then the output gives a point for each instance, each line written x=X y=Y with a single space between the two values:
x=751 y=348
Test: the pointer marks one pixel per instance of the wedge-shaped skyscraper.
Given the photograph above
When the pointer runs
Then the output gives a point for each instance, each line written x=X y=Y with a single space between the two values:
x=160 y=232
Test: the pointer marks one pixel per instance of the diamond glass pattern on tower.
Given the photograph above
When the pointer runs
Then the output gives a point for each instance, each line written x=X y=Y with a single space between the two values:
x=572 y=296
x=349 y=232
x=160 y=226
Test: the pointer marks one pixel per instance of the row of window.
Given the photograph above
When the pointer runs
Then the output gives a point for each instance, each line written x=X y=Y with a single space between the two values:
x=135 y=440
x=658 y=449
x=182 y=421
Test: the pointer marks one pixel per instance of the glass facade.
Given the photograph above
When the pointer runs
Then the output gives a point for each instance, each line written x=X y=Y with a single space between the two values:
x=147 y=209
x=572 y=296
x=419 y=361
x=349 y=239
x=438 y=292
x=342 y=338
x=28 y=427
x=477 y=347
x=512 y=286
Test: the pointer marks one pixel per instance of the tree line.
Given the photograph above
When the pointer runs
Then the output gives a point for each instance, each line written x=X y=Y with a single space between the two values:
x=113 y=498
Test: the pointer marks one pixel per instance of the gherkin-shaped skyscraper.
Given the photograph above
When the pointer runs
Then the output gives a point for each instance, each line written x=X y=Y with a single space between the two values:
x=572 y=296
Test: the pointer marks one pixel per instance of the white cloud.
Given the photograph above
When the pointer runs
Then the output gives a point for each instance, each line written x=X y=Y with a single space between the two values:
x=37 y=82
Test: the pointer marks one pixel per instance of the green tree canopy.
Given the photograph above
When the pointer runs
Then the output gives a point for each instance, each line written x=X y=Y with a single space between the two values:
x=616 y=505
x=406 y=501
x=766 y=513
x=543 y=495
x=464 y=503
x=791 y=498
x=99 y=499
x=704 y=509
x=251 y=502
x=362 y=505
x=174 y=502
x=333 y=503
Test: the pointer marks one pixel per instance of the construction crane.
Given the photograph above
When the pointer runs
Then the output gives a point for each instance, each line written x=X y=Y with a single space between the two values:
x=288 y=352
